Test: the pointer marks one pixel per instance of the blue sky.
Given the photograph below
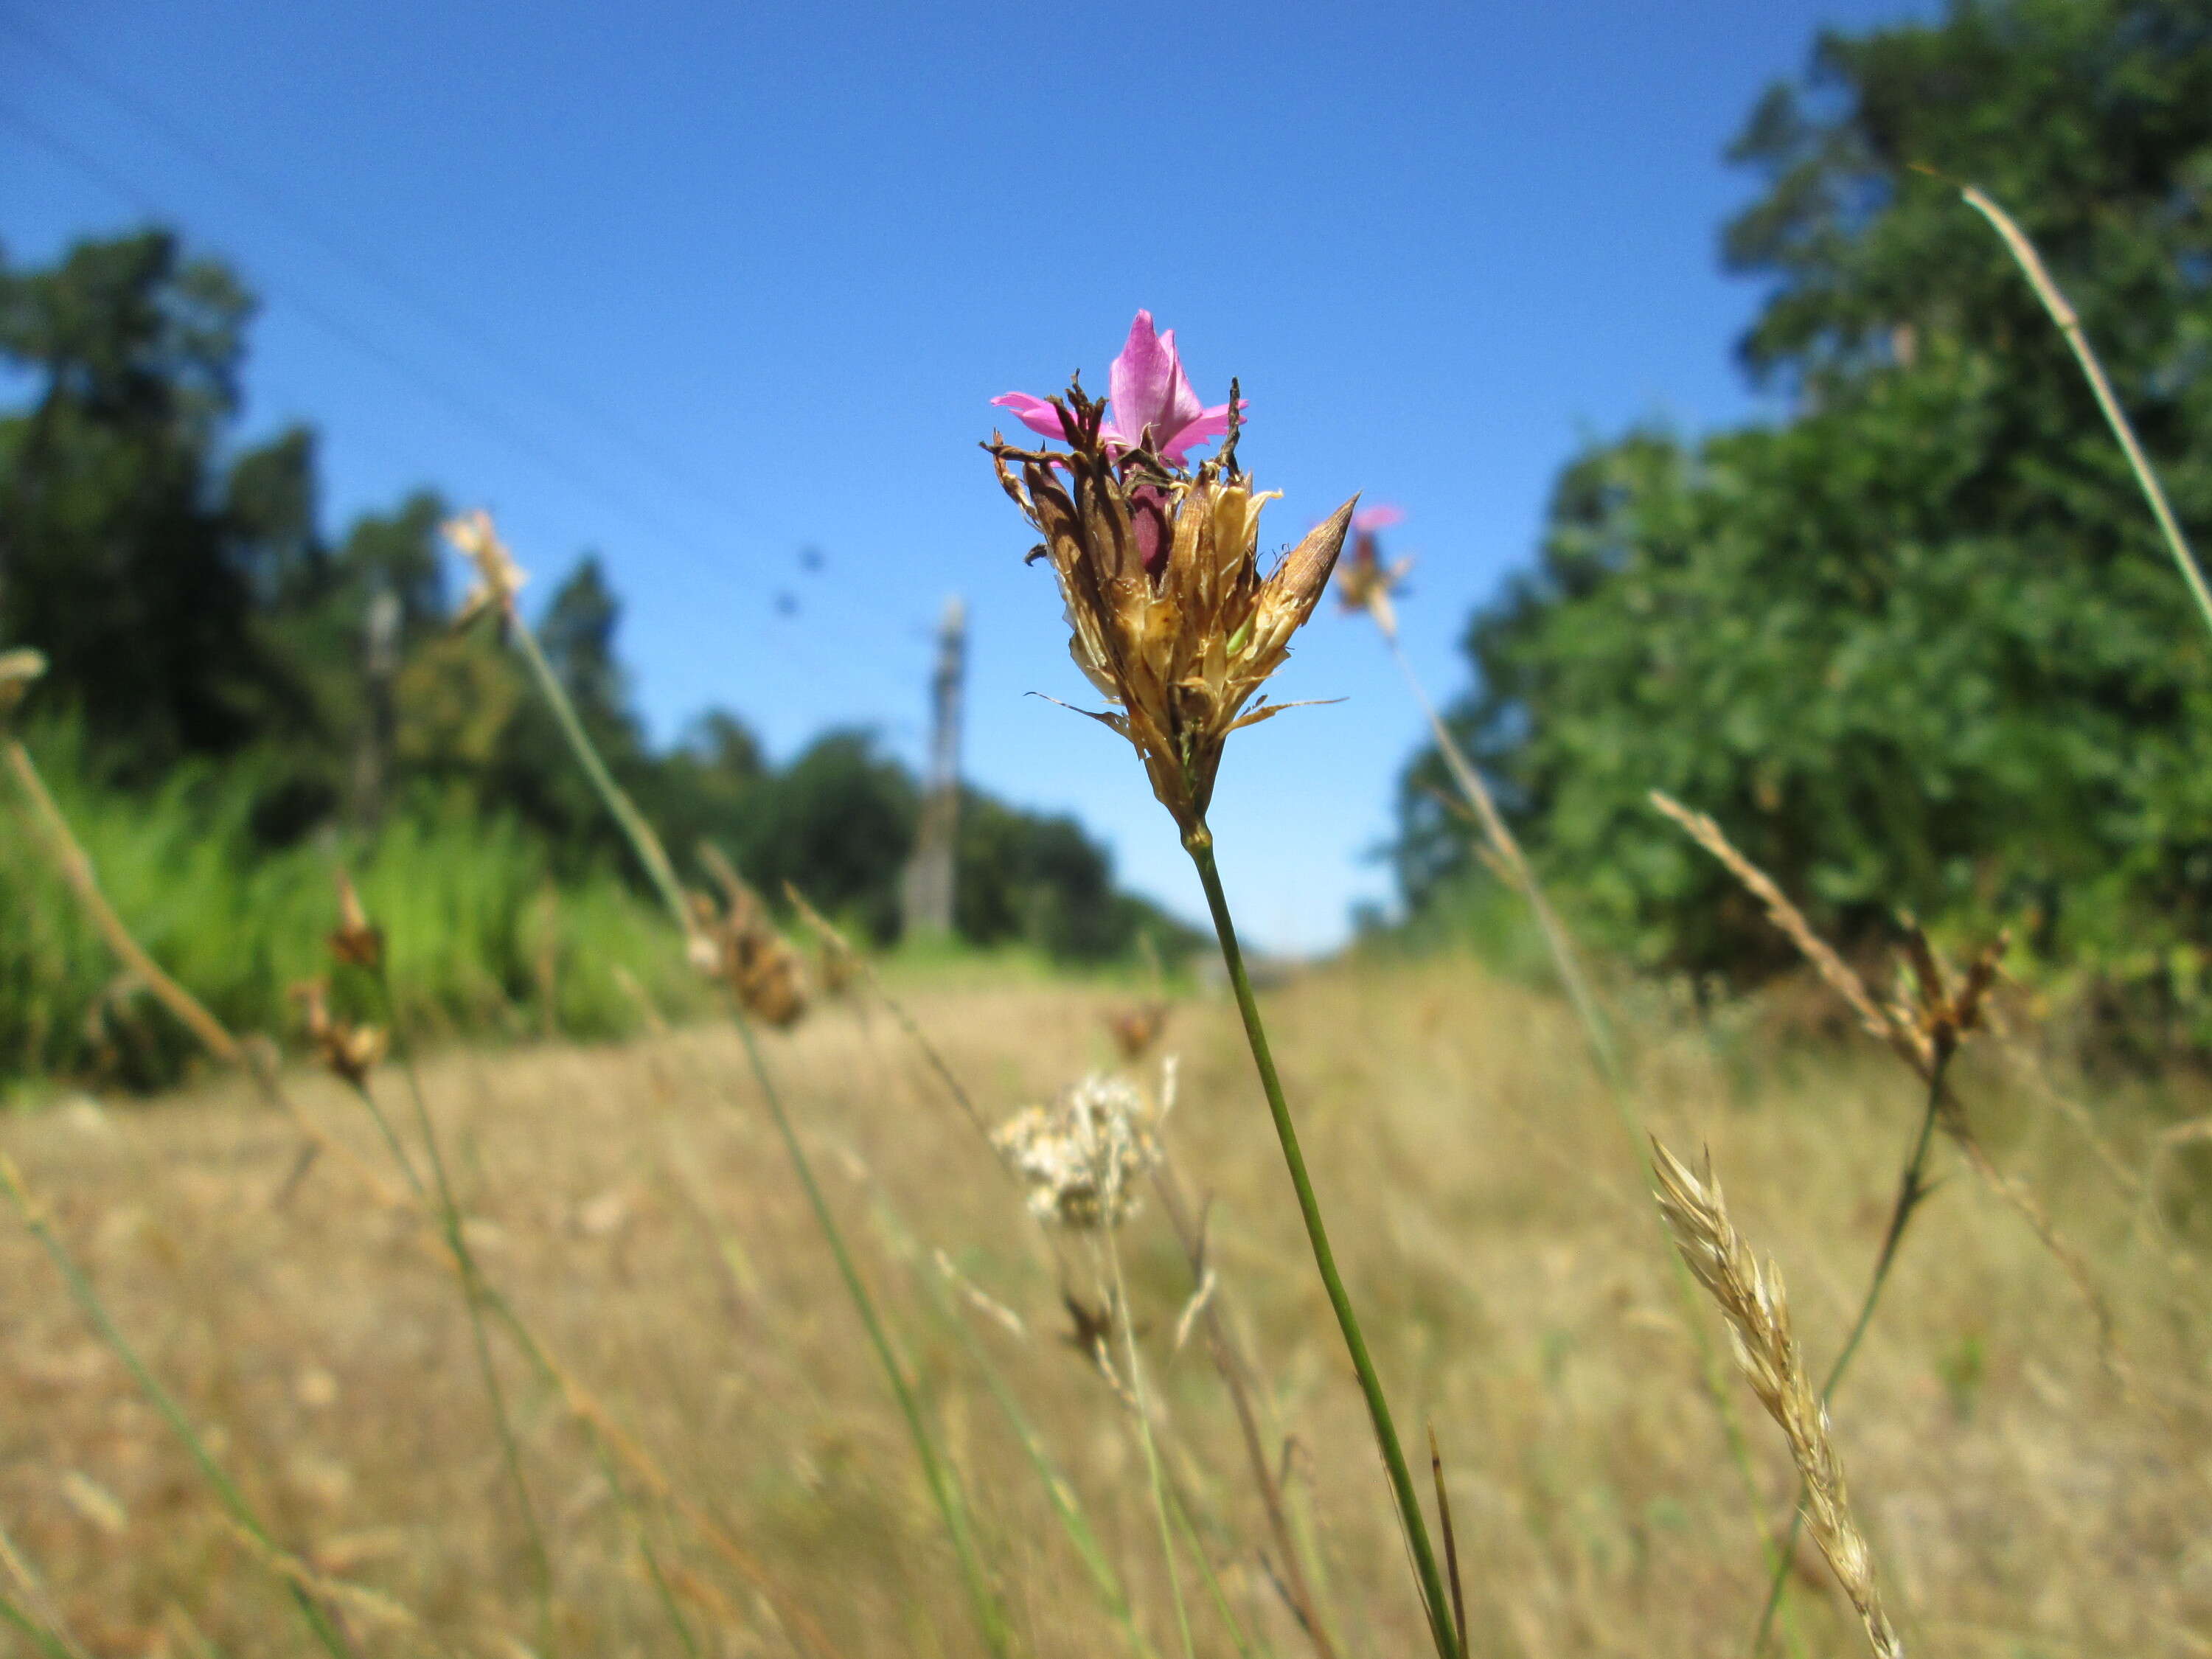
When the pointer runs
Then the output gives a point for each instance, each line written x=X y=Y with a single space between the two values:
x=701 y=286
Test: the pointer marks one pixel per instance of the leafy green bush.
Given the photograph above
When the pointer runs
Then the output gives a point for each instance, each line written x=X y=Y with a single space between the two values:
x=479 y=934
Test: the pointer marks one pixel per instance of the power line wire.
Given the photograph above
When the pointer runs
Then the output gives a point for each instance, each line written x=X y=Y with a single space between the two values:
x=800 y=656
x=379 y=272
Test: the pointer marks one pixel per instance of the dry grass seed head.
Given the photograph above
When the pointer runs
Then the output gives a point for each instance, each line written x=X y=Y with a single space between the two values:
x=739 y=946
x=1753 y=1301
x=347 y=1050
x=499 y=578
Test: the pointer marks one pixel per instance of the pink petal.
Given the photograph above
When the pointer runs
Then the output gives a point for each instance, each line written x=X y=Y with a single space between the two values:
x=1381 y=516
x=1145 y=387
x=1203 y=429
x=1035 y=413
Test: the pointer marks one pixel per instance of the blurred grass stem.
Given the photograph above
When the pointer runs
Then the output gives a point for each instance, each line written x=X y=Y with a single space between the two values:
x=319 y=1623
x=1597 y=1033
x=1911 y=1188
x=473 y=1293
x=2069 y=325
x=990 y=1616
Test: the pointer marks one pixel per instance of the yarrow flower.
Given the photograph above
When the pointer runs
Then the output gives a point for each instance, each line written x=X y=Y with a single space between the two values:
x=1158 y=567
x=1080 y=1157
x=1364 y=582
x=499 y=578
x=1151 y=403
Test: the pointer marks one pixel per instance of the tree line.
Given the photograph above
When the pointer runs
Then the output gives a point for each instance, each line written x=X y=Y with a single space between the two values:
x=194 y=611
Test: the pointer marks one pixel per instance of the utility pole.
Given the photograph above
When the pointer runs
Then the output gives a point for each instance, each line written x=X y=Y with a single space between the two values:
x=372 y=757
x=927 y=892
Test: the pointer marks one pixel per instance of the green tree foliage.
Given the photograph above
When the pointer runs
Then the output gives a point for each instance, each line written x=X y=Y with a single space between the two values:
x=258 y=688
x=113 y=555
x=1916 y=645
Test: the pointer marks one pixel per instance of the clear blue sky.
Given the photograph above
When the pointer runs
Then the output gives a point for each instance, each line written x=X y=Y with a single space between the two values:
x=700 y=286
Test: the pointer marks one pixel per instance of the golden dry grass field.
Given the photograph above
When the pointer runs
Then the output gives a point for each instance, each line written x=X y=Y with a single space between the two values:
x=2023 y=1495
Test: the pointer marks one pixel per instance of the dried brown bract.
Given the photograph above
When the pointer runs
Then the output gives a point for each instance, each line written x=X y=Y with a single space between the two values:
x=740 y=946
x=357 y=941
x=1136 y=1029
x=1757 y=1312
x=350 y=1051
x=1169 y=615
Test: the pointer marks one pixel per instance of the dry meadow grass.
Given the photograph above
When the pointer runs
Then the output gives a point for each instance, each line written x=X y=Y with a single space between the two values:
x=1492 y=1215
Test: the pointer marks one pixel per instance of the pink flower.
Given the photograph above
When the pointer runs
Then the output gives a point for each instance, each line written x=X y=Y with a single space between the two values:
x=1381 y=516
x=1146 y=390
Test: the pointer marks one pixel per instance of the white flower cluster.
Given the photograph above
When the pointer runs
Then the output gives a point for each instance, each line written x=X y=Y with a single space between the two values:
x=1080 y=1158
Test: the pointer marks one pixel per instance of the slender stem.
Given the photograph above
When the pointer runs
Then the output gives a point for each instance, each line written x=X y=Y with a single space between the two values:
x=2069 y=325
x=48 y=1641
x=650 y=852
x=473 y=1294
x=1911 y=1188
x=1606 y=1057
x=1198 y=841
x=36 y=1601
x=1118 y=1300
x=654 y=858
x=1235 y=1371
x=1062 y=1495
x=1215 y=1587
x=318 y=1622
x=990 y=1616
x=1502 y=841
x=1451 y=1542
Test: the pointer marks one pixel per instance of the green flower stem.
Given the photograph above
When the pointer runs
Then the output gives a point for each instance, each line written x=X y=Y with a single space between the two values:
x=990 y=1616
x=1911 y=1187
x=1198 y=841
x=318 y=1622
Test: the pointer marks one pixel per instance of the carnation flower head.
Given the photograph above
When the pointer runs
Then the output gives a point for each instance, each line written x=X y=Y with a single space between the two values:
x=1364 y=582
x=1169 y=614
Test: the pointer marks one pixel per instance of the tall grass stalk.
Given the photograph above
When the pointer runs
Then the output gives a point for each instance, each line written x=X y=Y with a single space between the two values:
x=82 y=878
x=1236 y=1375
x=1117 y=1303
x=41 y=1619
x=46 y=1640
x=1912 y=1188
x=2069 y=325
x=1066 y=1504
x=472 y=1293
x=319 y=1623
x=1605 y=1056
x=1198 y=842
x=1235 y=1369
x=990 y=1616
